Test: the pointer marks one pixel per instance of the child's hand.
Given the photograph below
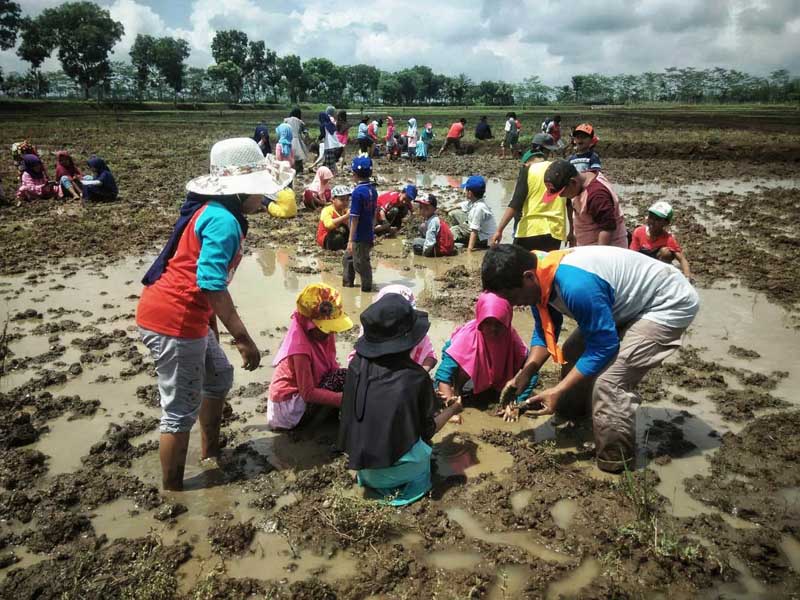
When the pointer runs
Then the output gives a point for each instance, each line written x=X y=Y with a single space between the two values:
x=350 y=248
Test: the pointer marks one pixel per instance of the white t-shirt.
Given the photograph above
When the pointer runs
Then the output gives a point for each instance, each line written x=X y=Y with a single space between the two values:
x=480 y=219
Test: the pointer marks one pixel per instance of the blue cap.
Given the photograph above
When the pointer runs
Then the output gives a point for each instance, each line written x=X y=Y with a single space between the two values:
x=474 y=183
x=362 y=165
x=411 y=192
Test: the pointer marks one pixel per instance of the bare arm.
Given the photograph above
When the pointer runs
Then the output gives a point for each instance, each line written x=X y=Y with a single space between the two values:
x=604 y=238
x=473 y=240
x=222 y=305
x=687 y=272
x=508 y=214
x=444 y=416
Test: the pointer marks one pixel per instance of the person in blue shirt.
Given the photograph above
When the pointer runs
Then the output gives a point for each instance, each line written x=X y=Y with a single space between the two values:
x=584 y=139
x=100 y=186
x=631 y=311
x=363 y=206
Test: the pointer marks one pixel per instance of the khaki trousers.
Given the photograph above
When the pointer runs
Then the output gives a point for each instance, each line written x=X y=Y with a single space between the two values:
x=610 y=395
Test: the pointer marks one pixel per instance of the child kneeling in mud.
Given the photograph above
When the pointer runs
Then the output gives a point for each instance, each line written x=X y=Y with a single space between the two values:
x=437 y=238
x=306 y=369
x=655 y=240
x=332 y=231
x=387 y=417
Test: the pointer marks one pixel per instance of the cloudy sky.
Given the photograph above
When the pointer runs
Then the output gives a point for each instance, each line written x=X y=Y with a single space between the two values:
x=486 y=39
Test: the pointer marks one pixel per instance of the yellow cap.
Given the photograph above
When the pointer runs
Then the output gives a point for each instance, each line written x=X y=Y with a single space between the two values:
x=323 y=305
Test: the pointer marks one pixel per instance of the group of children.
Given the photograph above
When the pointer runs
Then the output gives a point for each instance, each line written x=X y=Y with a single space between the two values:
x=389 y=407
x=69 y=181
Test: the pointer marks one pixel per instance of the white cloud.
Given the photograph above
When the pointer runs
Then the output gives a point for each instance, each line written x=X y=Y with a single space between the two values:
x=487 y=39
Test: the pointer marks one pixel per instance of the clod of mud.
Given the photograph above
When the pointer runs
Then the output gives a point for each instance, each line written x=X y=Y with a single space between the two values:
x=668 y=439
x=115 y=447
x=18 y=431
x=740 y=352
x=139 y=568
x=58 y=528
x=739 y=405
x=19 y=467
x=149 y=395
x=169 y=511
x=231 y=539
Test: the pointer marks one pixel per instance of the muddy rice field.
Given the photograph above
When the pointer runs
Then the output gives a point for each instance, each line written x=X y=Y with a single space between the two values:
x=518 y=510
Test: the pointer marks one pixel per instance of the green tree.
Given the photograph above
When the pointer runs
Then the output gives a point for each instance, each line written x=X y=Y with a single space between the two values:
x=390 y=89
x=230 y=75
x=35 y=47
x=229 y=49
x=410 y=85
x=10 y=22
x=169 y=55
x=325 y=81
x=143 y=58
x=262 y=69
x=457 y=89
x=293 y=74
x=84 y=34
x=363 y=82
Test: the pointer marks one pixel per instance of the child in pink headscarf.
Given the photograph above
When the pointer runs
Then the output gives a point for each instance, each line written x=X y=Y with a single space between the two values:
x=486 y=351
x=423 y=353
x=318 y=192
x=306 y=370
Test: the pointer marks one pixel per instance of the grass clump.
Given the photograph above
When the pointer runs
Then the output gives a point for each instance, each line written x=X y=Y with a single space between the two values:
x=357 y=521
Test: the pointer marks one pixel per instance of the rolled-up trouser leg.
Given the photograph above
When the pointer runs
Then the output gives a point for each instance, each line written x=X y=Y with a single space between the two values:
x=643 y=346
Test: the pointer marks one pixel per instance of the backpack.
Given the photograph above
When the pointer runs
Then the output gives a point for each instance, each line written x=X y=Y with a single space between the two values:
x=546 y=124
x=445 y=242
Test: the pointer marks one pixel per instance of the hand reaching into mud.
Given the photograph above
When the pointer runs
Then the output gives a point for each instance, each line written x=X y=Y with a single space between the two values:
x=549 y=400
x=251 y=357
x=510 y=413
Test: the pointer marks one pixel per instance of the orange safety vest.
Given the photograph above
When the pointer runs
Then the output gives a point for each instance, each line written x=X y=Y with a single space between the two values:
x=546 y=265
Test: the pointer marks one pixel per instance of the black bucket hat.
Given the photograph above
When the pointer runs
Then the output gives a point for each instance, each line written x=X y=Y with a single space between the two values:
x=391 y=326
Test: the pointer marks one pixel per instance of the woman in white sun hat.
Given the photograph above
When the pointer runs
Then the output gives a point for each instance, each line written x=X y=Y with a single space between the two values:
x=186 y=289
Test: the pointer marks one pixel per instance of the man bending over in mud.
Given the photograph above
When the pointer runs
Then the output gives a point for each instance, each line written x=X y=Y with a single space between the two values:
x=631 y=312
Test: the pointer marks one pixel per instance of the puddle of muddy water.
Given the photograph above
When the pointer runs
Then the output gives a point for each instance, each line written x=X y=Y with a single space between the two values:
x=522 y=540
x=573 y=583
x=563 y=512
x=510 y=582
x=519 y=500
x=453 y=560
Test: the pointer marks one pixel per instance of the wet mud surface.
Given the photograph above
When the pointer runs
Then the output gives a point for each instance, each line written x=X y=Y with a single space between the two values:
x=517 y=510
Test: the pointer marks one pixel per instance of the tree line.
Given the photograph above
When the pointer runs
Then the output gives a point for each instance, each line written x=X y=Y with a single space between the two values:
x=246 y=70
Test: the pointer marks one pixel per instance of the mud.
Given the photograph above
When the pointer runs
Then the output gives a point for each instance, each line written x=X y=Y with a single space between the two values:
x=517 y=510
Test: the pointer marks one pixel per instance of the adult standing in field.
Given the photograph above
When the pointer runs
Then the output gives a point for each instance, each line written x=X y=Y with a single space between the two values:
x=299 y=131
x=186 y=290
x=329 y=145
x=597 y=217
x=454 y=135
x=631 y=311
x=540 y=225
x=511 y=135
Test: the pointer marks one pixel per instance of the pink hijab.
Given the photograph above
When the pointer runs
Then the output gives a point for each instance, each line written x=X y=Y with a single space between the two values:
x=321 y=354
x=321 y=179
x=490 y=363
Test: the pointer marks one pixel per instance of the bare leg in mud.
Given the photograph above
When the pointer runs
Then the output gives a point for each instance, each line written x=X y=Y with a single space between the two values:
x=210 y=421
x=172 y=449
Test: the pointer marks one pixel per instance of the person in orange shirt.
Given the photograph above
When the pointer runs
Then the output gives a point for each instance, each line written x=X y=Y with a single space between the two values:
x=454 y=136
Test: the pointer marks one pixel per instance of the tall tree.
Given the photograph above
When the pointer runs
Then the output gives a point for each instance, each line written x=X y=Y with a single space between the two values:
x=293 y=73
x=37 y=44
x=229 y=49
x=169 y=55
x=262 y=69
x=10 y=22
x=84 y=34
x=363 y=82
x=325 y=81
x=143 y=58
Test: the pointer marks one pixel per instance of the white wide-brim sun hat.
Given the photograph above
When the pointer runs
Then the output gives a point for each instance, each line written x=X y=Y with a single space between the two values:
x=238 y=167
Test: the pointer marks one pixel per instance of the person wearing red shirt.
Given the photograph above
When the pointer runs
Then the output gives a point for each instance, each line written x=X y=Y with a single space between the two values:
x=393 y=207
x=655 y=240
x=454 y=135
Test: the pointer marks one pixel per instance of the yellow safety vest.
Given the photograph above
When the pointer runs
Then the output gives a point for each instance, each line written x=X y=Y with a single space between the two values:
x=538 y=218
